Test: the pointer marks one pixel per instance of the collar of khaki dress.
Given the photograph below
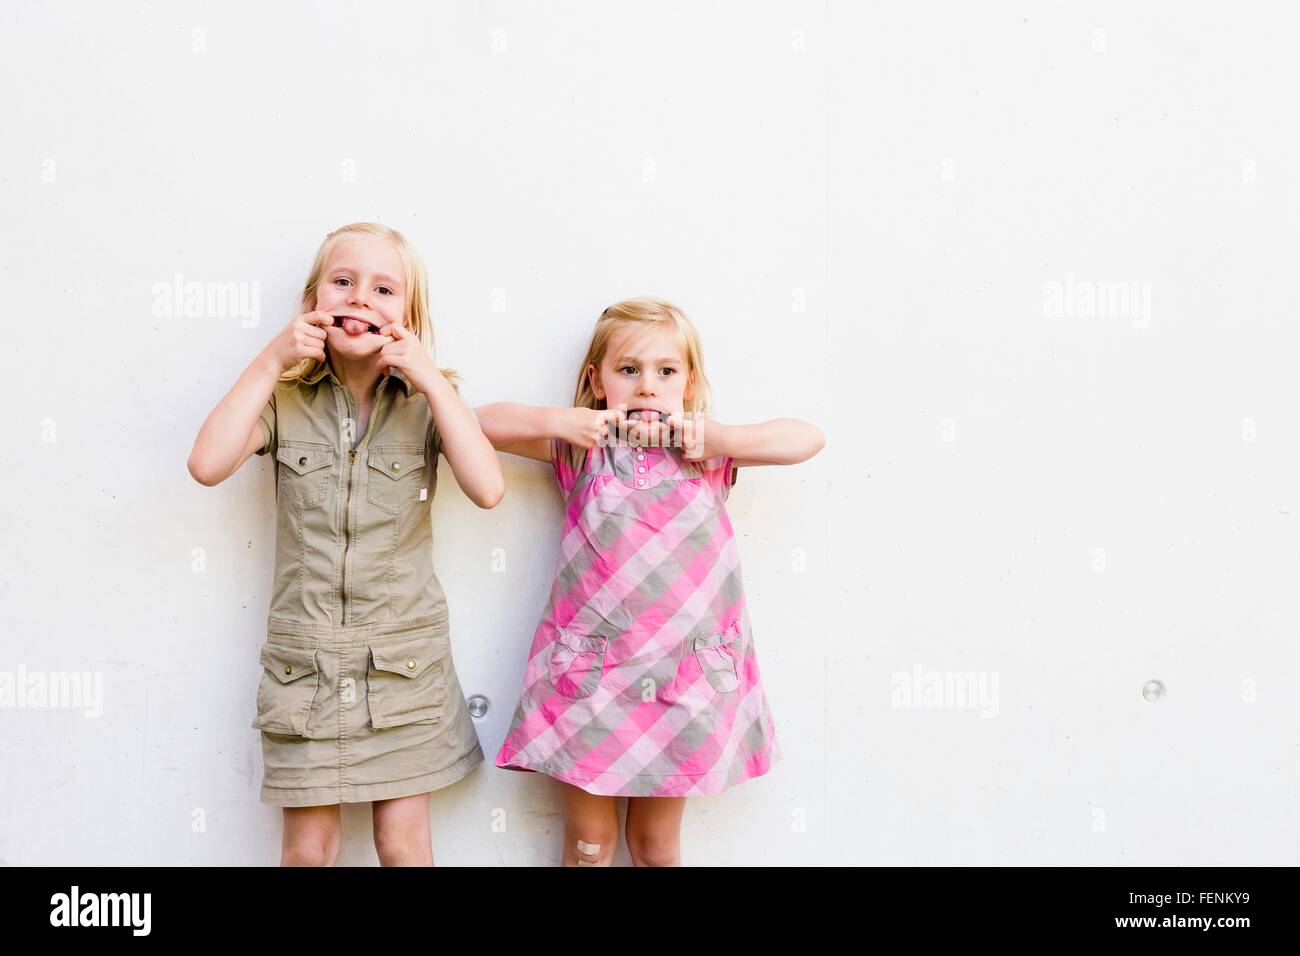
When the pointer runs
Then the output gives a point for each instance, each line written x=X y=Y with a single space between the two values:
x=324 y=369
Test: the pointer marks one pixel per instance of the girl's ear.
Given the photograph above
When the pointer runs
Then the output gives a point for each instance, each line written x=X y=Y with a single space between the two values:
x=690 y=387
x=594 y=378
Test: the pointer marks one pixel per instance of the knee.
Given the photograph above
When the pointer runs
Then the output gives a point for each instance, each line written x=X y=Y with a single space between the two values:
x=654 y=849
x=592 y=848
x=396 y=848
x=310 y=851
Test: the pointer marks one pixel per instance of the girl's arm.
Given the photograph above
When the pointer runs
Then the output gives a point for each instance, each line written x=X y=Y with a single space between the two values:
x=231 y=433
x=519 y=429
x=527 y=430
x=475 y=465
x=782 y=441
x=473 y=461
x=227 y=439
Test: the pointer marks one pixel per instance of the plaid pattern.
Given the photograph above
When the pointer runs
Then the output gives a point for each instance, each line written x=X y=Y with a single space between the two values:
x=642 y=678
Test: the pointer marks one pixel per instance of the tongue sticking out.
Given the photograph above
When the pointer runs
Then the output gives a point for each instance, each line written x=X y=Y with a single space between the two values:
x=355 y=326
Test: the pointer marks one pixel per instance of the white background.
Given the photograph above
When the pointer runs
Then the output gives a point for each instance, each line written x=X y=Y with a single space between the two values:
x=862 y=206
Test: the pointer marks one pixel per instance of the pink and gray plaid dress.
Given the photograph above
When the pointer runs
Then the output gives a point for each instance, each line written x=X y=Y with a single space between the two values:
x=642 y=679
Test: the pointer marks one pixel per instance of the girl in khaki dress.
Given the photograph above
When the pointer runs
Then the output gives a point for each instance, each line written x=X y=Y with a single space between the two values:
x=358 y=698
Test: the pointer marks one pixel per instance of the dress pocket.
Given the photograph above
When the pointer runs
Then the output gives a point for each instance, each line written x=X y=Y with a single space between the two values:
x=396 y=476
x=406 y=681
x=719 y=657
x=576 y=663
x=287 y=689
x=305 y=471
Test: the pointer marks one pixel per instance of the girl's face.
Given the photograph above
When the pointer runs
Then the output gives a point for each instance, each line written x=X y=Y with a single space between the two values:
x=362 y=286
x=643 y=371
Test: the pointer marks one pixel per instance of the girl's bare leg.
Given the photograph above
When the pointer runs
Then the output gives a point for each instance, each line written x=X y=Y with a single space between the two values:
x=311 y=836
x=402 y=835
x=590 y=828
x=654 y=830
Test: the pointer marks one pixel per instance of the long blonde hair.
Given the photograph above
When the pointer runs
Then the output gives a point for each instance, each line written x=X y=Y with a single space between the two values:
x=416 y=311
x=648 y=314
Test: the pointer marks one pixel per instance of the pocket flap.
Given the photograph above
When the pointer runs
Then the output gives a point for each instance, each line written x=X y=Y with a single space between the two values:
x=396 y=463
x=288 y=663
x=304 y=459
x=579 y=642
x=717 y=638
x=411 y=656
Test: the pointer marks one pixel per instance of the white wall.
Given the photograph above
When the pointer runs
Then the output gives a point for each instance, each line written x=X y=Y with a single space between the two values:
x=863 y=207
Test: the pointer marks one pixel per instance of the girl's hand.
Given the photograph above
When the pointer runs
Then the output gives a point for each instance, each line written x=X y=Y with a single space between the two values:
x=687 y=434
x=406 y=353
x=650 y=431
x=303 y=337
x=676 y=431
x=585 y=427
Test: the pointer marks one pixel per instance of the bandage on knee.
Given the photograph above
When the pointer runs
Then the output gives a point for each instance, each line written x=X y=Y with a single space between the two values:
x=589 y=849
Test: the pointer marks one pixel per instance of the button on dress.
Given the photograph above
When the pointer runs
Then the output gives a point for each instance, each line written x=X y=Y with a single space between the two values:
x=642 y=678
x=358 y=698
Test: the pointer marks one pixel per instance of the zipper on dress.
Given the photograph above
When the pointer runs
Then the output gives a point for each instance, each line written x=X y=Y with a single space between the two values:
x=347 y=534
x=347 y=507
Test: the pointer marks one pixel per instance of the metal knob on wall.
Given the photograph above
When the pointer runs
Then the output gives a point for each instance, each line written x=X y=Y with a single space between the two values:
x=1153 y=690
x=478 y=704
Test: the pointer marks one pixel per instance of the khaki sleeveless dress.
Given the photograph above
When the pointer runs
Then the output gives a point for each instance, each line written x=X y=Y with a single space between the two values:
x=358 y=698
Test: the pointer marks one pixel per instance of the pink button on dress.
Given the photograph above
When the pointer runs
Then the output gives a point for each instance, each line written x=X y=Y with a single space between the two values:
x=642 y=678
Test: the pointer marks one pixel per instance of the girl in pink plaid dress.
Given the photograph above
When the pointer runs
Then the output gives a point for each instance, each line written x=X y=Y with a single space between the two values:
x=642 y=679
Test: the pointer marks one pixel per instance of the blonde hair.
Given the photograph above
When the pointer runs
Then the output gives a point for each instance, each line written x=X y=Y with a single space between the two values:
x=415 y=312
x=648 y=315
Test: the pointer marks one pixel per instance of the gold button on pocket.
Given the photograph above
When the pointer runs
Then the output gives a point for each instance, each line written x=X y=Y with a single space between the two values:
x=305 y=470
x=406 y=682
x=396 y=475
x=286 y=694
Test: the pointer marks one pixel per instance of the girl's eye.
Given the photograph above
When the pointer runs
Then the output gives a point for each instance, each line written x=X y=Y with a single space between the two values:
x=626 y=368
x=386 y=290
x=670 y=371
